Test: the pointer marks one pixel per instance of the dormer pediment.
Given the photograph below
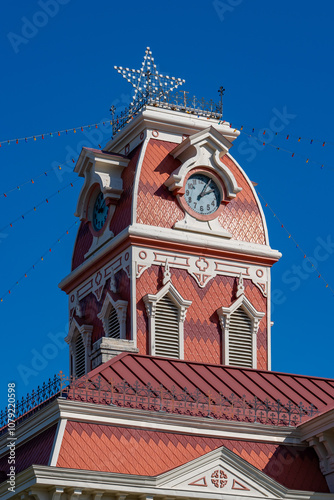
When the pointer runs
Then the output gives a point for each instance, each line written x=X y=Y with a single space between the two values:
x=208 y=138
x=205 y=149
x=102 y=170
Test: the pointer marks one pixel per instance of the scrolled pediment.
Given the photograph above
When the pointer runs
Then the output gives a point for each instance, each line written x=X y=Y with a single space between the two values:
x=205 y=149
x=102 y=170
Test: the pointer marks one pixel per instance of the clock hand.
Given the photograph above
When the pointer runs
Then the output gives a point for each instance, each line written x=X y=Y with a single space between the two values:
x=208 y=192
x=205 y=188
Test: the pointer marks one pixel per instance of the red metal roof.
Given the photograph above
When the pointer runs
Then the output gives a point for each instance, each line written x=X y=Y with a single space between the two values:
x=207 y=379
x=150 y=453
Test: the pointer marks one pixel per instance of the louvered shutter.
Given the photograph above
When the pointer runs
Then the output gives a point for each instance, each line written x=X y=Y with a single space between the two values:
x=114 y=330
x=80 y=367
x=167 y=328
x=240 y=339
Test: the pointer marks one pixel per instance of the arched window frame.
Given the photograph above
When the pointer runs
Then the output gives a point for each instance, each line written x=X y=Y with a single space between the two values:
x=86 y=334
x=120 y=307
x=255 y=316
x=151 y=301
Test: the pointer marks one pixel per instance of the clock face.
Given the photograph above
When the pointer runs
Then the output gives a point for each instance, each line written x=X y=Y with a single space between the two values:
x=100 y=212
x=202 y=194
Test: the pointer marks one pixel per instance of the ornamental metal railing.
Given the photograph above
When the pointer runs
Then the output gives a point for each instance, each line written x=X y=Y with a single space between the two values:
x=178 y=101
x=160 y=399
x=37 y=399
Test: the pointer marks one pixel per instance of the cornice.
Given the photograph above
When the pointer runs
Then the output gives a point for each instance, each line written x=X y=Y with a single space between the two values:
x=163 y=421
x=82 y=272
x=206 y=243
x=184 y=424
x=196 y=244
x=317 y=425
x=42 y=481
x=167 y=120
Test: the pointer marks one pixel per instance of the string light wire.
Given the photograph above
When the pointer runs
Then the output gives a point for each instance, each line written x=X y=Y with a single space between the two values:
x=32 y=181
x=34 y=208
x=55 y=133
x=295 y=242
x=292 y=153
x=47 y=252
x=58 y=133
x=290 y=136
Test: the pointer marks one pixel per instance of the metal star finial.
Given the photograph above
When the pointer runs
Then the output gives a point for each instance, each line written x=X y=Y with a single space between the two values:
x=147 y=81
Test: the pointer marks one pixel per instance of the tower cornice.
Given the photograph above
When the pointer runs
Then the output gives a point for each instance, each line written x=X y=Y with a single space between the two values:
x=196 y=244
x=175 y=123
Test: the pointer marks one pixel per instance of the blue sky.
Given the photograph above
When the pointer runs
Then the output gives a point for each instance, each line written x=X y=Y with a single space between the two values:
x=275 y=61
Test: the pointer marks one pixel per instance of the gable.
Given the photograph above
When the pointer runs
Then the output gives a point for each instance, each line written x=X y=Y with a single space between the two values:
x=222 y=471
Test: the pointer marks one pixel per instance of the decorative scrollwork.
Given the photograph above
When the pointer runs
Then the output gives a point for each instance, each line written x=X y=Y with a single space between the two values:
x=219 y=478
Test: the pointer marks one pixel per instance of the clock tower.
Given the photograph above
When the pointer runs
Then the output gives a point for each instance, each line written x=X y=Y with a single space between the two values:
x=172 y=256
x=169 y=337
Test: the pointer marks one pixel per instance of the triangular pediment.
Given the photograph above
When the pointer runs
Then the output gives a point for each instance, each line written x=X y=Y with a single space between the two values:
x=223 y=472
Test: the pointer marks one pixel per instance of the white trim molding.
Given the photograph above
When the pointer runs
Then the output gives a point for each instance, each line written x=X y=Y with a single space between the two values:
x=205 y=149
x=145 y=419
x=102 y=169
x=151 y=301
x=57 y=442
x=255 y=316
x=172 y=126
x=323 y=445
x=242 y=481
x=102 y=172
x=319 y=433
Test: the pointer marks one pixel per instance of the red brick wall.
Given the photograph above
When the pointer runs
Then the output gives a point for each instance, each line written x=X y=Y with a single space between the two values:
x=122 y=216
x=241 y=217
x=156 y=205
x=91 y=306
x=82 y=244
x=202 y=331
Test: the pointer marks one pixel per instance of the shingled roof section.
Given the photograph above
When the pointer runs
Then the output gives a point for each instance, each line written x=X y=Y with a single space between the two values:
x=150 y=453
x=175 y=375
x=34 y=452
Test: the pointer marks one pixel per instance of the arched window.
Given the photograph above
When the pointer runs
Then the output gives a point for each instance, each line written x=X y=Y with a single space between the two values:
x=166 y=312
x=79 y=341
x=113 y=317
x=240 y=324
